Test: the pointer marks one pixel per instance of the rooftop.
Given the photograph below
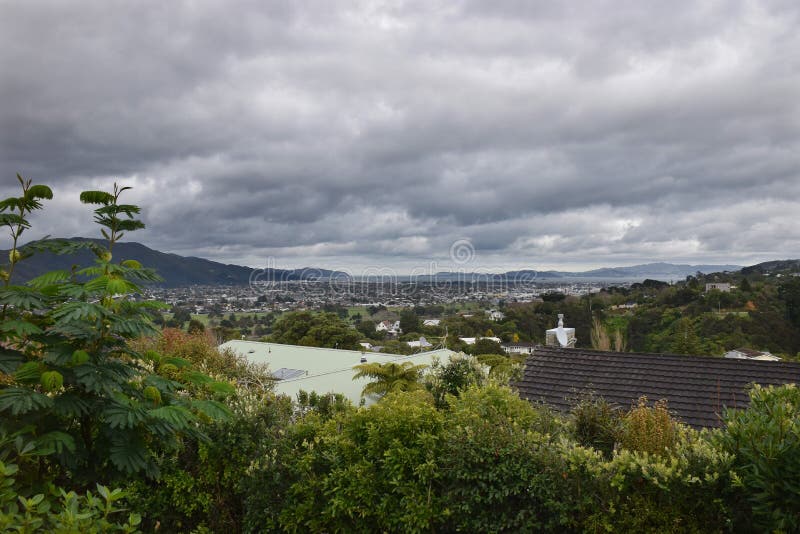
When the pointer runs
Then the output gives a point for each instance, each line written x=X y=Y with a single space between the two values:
x=320 y=369
x=697 y=388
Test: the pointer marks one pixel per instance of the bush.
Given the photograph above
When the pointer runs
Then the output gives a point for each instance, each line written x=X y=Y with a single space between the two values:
x=499 y=470
x=679 y=491
x=61 y=511
x=200 y=349
x=765 y=440
x=369 y=470
x=595 y=423
x=649 y=429
x=201 y=486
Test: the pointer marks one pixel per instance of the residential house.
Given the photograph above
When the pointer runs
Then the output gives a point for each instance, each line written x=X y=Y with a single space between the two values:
x=391 y=328
x=719 y=286
x=696 y=388
x=323 y=370
x=472 y=340
x=422 y=343
x=495 y=315
x=518 y=347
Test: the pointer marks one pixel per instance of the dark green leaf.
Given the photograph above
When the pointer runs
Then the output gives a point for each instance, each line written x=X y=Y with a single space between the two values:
x=9 y=360
x=96 y=197
x=28 y=373
x=212 y=409
x=70 y=405
x=20 y=401
x=55 y=442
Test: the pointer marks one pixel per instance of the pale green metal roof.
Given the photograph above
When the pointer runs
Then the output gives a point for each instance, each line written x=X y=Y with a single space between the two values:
x=322 y=370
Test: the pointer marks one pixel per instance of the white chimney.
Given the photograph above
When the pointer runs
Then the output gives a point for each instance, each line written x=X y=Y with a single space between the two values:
x=560 y=336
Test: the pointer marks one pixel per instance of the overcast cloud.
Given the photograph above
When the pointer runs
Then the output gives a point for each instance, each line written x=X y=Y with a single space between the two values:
x=348 y=134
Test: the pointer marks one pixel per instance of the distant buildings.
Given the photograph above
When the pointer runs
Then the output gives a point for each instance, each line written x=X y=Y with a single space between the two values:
x=431 y=322
x=719 y=286
x=472 y=340
x=421 y=344
x=495 y=315
x=391 y=328
x=519 y=347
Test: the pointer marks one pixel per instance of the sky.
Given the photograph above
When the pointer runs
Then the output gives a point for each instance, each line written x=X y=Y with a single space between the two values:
x=414 y=136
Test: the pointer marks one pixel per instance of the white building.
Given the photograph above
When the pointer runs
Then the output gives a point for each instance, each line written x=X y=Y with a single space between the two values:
x=431 y=322
x=472 y=340
x=495 y=315
x=421 y=344
x=519 y=347
x=750 y=354
x=719 y=286
x=389 y=327
x=322 y=370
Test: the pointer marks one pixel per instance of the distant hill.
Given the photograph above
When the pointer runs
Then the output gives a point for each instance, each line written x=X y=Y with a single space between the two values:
x=176 y=270
x=773 y=267
x=664 y=271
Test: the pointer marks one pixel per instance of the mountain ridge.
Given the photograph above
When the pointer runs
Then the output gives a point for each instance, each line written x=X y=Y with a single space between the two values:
x=180 y=270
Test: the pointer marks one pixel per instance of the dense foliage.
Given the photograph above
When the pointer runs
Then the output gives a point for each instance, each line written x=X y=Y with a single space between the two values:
x=314 y=330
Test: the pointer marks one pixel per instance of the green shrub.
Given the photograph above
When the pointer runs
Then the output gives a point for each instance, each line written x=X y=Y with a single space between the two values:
x=61 y=511
x=649 y=429
x=499 y=468
x=765 y=440
x=201 y=485
x=682 y=490
x=595 y=423
x=369 y=470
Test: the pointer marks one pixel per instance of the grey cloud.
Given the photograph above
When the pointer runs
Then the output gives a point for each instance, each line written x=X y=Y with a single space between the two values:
x=597 y=133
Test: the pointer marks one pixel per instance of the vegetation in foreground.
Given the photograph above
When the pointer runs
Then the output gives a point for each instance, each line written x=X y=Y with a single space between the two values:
x=194 y=441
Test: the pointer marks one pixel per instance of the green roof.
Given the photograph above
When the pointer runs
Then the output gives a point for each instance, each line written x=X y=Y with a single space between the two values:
x=320 y=369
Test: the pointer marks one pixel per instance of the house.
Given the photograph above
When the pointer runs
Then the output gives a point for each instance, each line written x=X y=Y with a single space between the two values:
x=366 y=346
x=750 y=354
x=472 y=340
x=697 y=388
x=431 y=322
x=518 y=347
x=719 y=286
x=391 y=328
x=323 y=370
x=495 y=315
x=421 y=344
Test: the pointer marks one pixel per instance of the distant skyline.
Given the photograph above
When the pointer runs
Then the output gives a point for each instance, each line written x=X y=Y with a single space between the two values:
x=348 y=135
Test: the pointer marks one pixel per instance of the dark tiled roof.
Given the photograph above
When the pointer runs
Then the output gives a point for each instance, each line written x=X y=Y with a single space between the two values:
x=697 y=388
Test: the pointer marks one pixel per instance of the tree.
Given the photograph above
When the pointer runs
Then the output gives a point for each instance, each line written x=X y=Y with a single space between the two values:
x=391 y=376
x=195 y=327
x=73 y=385
x=314 y=330
x=686 y=340
x=486 y=346
x=409 y=322
x=745 y=286
x=450 y=378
